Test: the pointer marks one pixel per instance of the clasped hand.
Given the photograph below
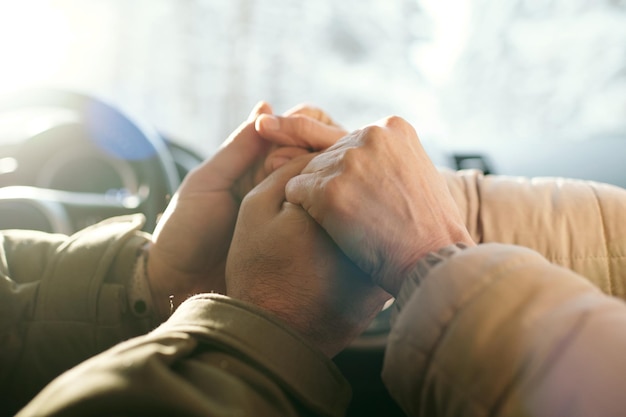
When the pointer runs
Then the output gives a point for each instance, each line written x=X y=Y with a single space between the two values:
x=320 y=240
x=191 y=241
x=374 y=196
x=283 y=261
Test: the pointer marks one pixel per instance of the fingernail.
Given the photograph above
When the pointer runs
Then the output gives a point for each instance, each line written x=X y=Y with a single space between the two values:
x=267 y=122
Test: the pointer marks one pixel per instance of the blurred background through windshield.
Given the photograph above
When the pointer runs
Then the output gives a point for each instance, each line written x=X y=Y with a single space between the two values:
x=463 y=72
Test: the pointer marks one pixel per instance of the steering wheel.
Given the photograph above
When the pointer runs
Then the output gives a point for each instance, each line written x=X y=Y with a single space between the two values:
x=108 y=134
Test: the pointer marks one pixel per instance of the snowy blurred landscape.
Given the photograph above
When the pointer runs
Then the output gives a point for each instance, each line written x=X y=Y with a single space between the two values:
x=463 y=72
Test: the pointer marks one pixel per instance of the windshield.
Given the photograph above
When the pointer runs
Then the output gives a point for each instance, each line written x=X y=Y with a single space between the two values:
x=463 y=72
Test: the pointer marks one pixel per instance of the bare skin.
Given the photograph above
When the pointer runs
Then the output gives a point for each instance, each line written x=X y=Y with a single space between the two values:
x=380 y=198
x=191 y=241
x=282 y=261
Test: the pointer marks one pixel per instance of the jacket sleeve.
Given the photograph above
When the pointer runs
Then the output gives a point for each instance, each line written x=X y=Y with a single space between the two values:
x=63 y=299
x=573 y=223
x=497 y=330
x=215 y=356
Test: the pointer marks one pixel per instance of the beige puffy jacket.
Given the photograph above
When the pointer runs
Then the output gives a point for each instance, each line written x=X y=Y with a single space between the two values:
x=497 y=330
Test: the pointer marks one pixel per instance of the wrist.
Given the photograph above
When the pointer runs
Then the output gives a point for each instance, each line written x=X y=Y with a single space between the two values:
x=163 y=298
x=155 y=296
x=392 y=278
x=422 y=268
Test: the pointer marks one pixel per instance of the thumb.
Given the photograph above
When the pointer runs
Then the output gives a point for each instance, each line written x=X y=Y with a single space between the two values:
x=240 y=151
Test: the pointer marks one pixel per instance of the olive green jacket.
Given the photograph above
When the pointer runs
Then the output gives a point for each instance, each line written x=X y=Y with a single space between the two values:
x=63 y=300
x=66 y=299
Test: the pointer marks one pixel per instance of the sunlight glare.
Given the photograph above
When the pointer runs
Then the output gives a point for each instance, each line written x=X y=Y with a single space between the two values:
x=34 y=42
x=450 y=21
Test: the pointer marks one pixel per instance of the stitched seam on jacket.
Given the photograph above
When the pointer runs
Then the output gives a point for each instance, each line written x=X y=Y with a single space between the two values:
x=604 y=239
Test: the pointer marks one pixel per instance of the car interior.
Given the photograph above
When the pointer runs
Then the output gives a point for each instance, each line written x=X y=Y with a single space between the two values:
x=106 y=106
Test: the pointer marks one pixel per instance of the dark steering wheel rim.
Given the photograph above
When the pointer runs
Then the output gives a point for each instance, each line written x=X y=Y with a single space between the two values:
x=118 y=135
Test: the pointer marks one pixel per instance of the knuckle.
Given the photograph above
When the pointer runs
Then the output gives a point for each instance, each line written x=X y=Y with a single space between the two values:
x=392 y=127
x=394 y=121
x=372 y=132
x=398 y=124
x=352 y=159
x=374 y=137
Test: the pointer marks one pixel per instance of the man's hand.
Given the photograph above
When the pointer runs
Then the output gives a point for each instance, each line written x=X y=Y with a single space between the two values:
x=191 y=241
x=283 y=261
x=380 y=198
